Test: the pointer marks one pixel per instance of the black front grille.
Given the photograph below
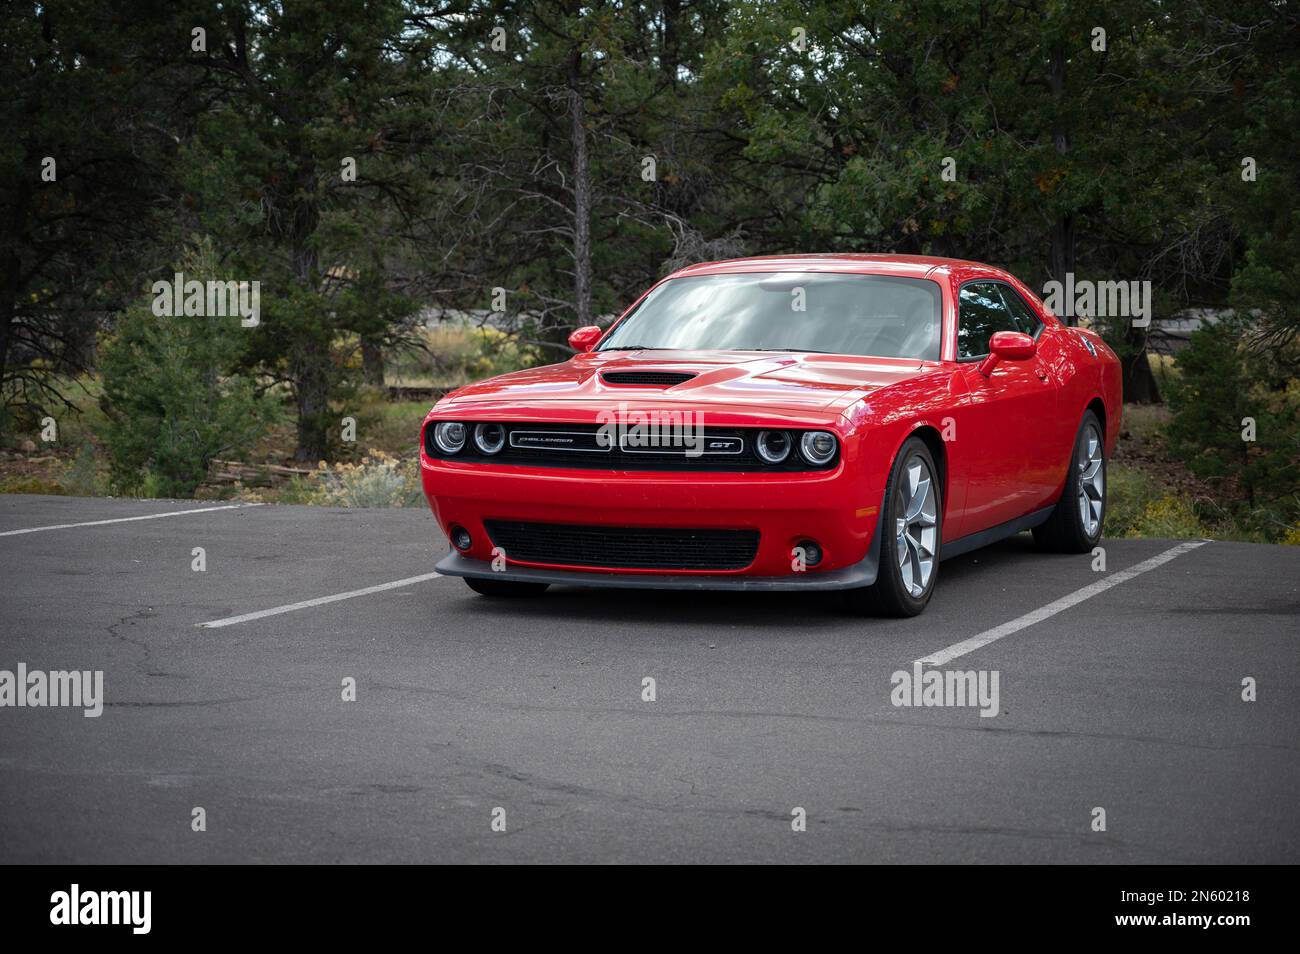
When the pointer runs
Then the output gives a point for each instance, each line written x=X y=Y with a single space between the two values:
x=717 y=449
x=630 y=548
x=663 y=378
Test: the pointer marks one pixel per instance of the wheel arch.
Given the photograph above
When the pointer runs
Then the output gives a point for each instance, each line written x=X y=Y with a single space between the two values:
x=1098 y=407
x=1109 y=418
x=934 y=443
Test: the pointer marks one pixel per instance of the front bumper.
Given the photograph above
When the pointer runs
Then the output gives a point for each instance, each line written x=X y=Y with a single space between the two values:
x=836 y=508
x=862 y=573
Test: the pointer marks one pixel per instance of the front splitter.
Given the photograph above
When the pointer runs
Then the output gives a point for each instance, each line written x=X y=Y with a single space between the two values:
x=859 y=574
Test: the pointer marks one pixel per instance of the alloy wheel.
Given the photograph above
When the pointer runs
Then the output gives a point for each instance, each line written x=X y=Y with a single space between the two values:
x=916 y=526
x=1092 y=480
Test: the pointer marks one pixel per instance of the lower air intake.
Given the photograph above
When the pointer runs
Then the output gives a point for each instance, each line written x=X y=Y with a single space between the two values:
x=625 y=548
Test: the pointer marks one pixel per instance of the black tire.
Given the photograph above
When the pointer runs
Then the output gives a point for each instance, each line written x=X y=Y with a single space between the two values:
x=891 y=594
x=489 y=587
x=1065 y=530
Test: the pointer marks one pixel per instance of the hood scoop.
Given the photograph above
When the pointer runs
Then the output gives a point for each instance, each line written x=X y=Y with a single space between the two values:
x=662 y=379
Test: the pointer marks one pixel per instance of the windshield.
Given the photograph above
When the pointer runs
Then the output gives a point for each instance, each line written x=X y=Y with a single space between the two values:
x=831 y=312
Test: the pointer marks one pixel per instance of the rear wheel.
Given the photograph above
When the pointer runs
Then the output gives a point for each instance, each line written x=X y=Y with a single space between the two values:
x=909 y=546
x=489 y=587
x=1076 y=520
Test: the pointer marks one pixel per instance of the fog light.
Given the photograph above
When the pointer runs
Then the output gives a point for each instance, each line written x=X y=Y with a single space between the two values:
x=812 y=552
x=818 y=447
x=460 y=539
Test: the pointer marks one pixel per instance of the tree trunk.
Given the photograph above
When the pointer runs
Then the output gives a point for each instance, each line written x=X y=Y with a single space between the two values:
x=7 y=312
x=311 y=391
x=1139 y=384
x=11 y=277
x=668 y=57
x=1246 y=478
x=310 y=364
x=1062 y=236
x=372 y=363
x=581 y=196
x=1063 y=255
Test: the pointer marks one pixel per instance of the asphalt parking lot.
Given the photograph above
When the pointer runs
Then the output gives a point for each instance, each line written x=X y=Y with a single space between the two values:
x=1126 y=697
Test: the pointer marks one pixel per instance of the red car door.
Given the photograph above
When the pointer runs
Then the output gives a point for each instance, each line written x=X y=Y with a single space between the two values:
x=1011 y=414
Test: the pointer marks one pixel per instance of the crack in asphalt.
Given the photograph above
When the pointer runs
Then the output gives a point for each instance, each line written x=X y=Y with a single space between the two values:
x=146 y=649
x=534 y=782
x=184 y=703
x=596 y=711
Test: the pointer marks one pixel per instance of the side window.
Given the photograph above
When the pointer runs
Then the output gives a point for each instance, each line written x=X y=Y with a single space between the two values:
x=1026 y=320
x=981 y=311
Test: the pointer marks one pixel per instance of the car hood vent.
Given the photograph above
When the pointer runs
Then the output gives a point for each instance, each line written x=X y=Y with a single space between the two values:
x=664 y=379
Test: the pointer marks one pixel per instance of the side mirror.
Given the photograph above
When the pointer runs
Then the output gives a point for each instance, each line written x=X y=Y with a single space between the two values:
x=1007 y=346
x=585 y=338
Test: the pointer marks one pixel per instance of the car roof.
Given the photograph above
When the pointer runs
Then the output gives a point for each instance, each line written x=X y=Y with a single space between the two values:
x=853 y=262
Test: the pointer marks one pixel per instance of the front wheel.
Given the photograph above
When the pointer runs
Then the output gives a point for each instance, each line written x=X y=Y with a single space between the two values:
x=1075 y=523
x=911 y=525
x=489 y=587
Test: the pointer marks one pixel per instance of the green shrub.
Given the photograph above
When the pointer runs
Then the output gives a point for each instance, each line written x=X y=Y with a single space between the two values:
x=1139 y=506
x=390 y=426
x=1236 y=423
x=454 y=353
x=82 y=478
x=1128 y=492
x=1209 y=401
x=169 y=401
x=378 y=480
x=1168 y=516
x=31 y=485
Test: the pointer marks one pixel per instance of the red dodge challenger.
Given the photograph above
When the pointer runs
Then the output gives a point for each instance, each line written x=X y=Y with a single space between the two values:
x=805 y=422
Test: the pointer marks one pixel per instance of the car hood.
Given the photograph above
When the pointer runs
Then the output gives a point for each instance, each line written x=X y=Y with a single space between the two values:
x=788 y=380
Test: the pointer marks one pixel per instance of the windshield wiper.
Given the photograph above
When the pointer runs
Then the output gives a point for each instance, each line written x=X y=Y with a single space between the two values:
x=794 y=350
x=633 y=348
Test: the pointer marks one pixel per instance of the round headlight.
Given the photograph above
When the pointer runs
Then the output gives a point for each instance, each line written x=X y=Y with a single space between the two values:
x=490 y=438
x=773 y=446
x=818 y=447
x=449 y=436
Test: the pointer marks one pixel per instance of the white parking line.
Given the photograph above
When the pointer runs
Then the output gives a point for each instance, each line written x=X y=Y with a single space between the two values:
x=148 y=516
x=319 y=601
x=1051 y=609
